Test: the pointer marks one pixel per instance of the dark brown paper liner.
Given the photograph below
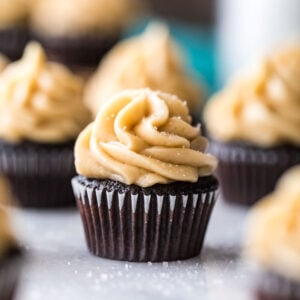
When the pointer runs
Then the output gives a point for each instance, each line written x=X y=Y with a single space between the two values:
x=39 y=174
x=13 y=41
x=272 y=286
x=248 y=173
x=133 y=225
x=77 y=51
x=10 y=269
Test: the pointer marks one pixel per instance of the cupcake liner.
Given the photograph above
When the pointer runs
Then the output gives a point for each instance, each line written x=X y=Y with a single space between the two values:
x=10 y=269
x=248 y=173
x=13 y=41
x=79 y=50
x=272 y=286
x=141 y=225
x=39 y=175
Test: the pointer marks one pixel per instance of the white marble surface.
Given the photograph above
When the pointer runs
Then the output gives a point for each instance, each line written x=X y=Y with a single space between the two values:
x=60 y=267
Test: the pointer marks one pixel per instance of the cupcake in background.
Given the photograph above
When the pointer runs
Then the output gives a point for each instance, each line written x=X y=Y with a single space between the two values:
x=41 y=114
x=13 y=27
x=10 y=257
x=145 y=190
x=254 y=126
x=78 y=33
x=151 y=60
x=272 y=241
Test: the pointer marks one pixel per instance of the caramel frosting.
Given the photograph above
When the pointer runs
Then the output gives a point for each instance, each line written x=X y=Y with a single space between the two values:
x=68 y=18
x=273 y=237
x=40 y=101
x=3 y=62
x=6 y=235
x=12 y=13
x=150 y=61
x=262 y=108
x=143 y=137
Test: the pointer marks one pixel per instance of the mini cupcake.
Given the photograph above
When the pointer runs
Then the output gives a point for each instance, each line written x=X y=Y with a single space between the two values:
x=145 y=190
x=79 y=32
x=10 y=258
x=41 y=114
x=254 y=125
x=13 y=27
x=273 y=240
x=151 y=60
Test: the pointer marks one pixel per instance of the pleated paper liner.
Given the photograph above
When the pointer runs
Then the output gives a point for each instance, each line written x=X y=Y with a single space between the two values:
x=39 y=174
x=248 y=173
x=10 y=270
x=162 y=223
x=273 y=286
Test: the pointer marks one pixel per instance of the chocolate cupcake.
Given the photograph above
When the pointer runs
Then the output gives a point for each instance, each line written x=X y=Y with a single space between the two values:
x=145 y=190
x=10 y=259
x=78 y=33
x=272 y=241
x=13 y=27
x=254 y=127
x=41 y=114
x=151 y=60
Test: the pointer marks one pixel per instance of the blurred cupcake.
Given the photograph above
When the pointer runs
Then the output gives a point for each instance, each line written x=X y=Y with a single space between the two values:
x=273 y=240
x=150 y=60
x=145 y=190
x=79 y=32
x=13 y=27
x=41 y=114
x=10 y=258
x=254 y=125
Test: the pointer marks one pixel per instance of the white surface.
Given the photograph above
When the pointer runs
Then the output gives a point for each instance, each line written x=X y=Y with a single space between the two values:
x=60 y=266
x=247 y=29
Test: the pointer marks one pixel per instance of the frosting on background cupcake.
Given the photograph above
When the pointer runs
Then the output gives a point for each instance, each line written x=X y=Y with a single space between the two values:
x=273 y=236
x=76 y=17
x=143 y=137
x=13 y=13
x=150 y=60
x=262 y=108
x=40 y=101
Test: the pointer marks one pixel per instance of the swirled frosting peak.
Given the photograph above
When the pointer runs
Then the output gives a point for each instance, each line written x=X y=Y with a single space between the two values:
x=40 y=101
x=262 y=108
x=143 y=137
x=150 y=60
x=273 y=237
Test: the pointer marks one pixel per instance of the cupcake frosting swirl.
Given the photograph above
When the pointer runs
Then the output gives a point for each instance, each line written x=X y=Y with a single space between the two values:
x=150 y=61
x=273 y=238
x=13 y=13
x=264 y=107
x=143 y=137
x=40 y=101
x=68 y=18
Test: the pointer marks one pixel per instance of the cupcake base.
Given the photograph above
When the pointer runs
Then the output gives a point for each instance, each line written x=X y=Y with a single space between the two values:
x=39 y=174
x=161 y=223
x=78 y=51
x=10 y=269
x=248 y=173
x=273 y=286
x=13 y=41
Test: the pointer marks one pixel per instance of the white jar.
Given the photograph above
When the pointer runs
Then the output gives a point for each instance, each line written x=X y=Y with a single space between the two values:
x=247 y=29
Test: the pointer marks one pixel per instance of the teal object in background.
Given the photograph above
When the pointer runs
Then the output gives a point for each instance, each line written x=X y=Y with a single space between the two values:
x=198 y=46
